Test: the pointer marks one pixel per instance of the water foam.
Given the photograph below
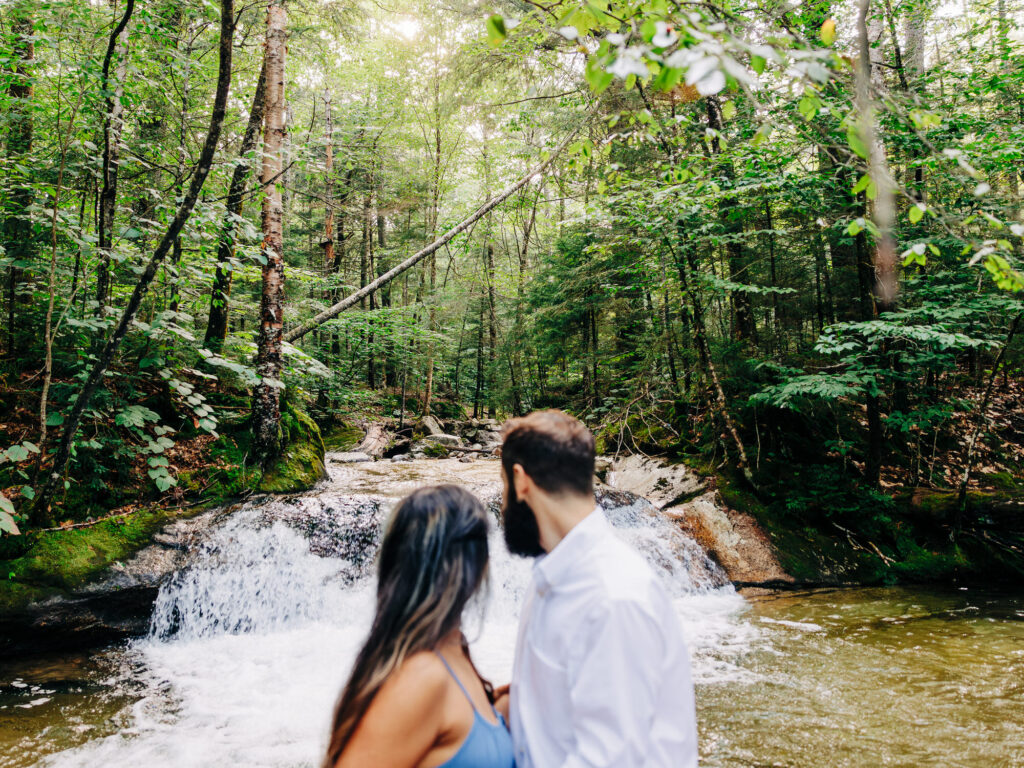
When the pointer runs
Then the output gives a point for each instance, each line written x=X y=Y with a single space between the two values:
x=251 y=644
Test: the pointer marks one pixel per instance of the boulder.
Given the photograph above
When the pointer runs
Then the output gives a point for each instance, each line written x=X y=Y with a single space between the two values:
x=300 y=465
x=431 y=426
x=450 y=441
x=734 y=539
x=661 y=483
x=99 y=592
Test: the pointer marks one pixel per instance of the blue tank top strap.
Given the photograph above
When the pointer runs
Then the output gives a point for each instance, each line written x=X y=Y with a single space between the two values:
x=487 y=745
x=463 y=688
x=456 y=679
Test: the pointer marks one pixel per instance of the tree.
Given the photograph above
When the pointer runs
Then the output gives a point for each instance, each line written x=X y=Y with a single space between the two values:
x=266 y=406
x=41 y=508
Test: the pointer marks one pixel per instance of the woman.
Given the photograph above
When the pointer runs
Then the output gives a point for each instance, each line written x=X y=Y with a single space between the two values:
x=414 y=698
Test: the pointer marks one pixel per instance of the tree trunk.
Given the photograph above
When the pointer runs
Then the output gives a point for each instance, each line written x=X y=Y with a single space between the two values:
x=18 y=226
x=217 y=325
x=328 y=241
x=41 y=509
x=477 y=401
x=176 y=252
x=113 y=125
x=730 y=219
x=884 y=268
x=266 y=405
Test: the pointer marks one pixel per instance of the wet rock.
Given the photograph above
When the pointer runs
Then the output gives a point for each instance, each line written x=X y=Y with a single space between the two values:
x=734 y=539
x=467 y=459
x=431 y=426
x=662 y=483
x=442 y=439
x=397 y=447
x=350 y=457
x=111 y=607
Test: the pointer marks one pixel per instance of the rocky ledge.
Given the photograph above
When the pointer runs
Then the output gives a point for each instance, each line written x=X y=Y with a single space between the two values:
x=73 y=608
x=733 y=539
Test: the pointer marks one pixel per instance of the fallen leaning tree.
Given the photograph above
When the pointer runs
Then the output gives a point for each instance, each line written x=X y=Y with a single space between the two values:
x=333 y=311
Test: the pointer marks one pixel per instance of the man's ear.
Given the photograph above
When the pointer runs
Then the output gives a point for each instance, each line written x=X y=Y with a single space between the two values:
x=521 y=482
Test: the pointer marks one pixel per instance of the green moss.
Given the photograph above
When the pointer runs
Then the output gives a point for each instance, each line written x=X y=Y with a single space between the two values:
x=805 y=552
x=343 y=437
x=67 y=559
x=59 y=561
x=922 y=564
x=435 y=450
x=300 y=466
x=1004 y=481
x=14 y=595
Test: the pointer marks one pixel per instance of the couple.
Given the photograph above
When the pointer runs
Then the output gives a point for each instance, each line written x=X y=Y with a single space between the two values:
x=601 y=675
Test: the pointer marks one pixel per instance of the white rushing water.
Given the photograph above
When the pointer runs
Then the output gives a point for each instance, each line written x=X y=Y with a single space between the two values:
x=251 y=644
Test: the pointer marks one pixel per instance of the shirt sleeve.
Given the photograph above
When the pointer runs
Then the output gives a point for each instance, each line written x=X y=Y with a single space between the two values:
x=613 y=677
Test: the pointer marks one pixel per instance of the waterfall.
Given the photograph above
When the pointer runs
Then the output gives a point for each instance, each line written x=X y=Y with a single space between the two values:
x=251 y=643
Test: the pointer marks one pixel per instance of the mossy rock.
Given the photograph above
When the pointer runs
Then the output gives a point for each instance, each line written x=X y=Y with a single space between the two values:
x=60 y=561
x=806 y=553
x=300 y=465
x=342 y=436
x=435 y=450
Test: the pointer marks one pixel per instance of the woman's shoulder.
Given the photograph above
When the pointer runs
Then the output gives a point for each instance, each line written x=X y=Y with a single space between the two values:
x=422 y=672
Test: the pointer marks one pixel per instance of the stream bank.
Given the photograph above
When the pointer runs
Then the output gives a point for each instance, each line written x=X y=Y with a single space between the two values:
x=82 y=587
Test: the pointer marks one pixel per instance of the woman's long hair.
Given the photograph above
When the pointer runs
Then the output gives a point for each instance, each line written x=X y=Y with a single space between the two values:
x=432 y=560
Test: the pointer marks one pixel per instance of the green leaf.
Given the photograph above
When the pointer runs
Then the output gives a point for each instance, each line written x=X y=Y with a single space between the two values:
x=828 y=32
x=757 y=63
x=496 y=32
x=17 y=453
x=916 y=212
x=597 y=77
x=7 y=512
x=164 y=482
x=853 y=138
x=728 y=110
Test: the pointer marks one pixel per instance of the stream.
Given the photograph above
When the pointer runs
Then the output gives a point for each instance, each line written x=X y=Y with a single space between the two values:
x=250 y=644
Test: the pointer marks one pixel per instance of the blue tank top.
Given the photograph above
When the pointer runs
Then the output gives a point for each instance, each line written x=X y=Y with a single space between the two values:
x=488 y=745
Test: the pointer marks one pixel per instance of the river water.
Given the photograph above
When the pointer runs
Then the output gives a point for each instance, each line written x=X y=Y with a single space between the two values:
x=250 y=645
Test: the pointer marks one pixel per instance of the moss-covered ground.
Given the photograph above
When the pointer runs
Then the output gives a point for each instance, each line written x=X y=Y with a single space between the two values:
x=853 y=535
x=44 y=563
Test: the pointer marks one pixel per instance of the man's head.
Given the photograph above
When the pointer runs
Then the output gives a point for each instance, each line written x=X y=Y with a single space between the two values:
x=547 y=461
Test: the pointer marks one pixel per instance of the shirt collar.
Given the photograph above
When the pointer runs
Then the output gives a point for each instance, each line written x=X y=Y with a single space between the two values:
x=555 y=568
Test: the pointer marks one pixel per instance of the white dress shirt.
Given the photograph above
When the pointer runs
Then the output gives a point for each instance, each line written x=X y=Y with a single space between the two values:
x=602 y=674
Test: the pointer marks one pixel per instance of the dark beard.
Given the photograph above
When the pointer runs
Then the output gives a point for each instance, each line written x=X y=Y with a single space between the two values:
x=522 y=536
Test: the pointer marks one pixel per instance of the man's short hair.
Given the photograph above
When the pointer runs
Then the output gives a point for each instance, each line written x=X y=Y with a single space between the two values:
x=554 y=449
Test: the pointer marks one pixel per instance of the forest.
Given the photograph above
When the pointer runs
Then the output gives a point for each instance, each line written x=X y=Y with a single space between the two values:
x=780 y=242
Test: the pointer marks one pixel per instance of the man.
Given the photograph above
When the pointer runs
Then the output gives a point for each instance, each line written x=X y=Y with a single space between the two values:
x=602 y=675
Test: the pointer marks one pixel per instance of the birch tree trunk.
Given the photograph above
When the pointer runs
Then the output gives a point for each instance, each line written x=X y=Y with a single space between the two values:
x=266 y=402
